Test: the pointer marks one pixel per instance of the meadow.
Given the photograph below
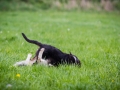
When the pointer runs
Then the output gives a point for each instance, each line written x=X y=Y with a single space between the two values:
x=94 y=37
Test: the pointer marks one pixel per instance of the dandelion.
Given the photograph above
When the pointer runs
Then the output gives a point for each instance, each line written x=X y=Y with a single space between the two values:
x=18 y=75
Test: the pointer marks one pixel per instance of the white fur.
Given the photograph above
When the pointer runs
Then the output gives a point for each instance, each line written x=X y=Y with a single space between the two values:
x=75 y=58
x=40 y=60
x=28 y=60
x=25 y=62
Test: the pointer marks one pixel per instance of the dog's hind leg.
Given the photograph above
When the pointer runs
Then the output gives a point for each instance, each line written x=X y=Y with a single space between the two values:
x=40 y=60
x=43 y=61
x=40 y=55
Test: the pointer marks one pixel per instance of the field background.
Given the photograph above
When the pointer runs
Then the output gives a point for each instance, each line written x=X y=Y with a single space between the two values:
x=94 y=37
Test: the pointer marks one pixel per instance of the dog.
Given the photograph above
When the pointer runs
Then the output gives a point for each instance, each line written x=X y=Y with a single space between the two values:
x=51 y=55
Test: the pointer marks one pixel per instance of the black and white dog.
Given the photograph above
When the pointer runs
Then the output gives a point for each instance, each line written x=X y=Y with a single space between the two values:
x=48 y=55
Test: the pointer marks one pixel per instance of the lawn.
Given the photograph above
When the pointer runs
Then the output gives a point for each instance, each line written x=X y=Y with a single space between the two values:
x=94 y=37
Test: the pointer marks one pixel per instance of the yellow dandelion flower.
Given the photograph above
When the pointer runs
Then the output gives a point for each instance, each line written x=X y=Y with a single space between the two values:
x=18 y=75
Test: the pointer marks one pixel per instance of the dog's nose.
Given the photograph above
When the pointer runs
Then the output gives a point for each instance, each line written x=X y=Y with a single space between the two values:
x=78 y=62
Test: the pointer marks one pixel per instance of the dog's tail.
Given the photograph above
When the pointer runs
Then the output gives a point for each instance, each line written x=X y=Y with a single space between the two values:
x=31 y=41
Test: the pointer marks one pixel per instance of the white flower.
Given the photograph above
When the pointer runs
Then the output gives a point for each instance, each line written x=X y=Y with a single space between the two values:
x=68 y=29
x=8 y=86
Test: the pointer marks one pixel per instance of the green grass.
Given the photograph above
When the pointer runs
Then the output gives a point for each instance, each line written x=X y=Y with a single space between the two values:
x=94 y=37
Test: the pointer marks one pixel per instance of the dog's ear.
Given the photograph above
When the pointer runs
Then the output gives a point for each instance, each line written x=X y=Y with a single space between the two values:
x=70 y=53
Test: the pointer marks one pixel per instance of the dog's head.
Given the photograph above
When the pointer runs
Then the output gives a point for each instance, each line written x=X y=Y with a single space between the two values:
x=73 y=59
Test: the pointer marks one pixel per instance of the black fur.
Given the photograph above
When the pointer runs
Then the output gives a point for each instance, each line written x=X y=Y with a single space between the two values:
x=54 y=55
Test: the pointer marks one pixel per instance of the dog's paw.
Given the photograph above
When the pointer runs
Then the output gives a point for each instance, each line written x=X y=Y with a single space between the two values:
x=50 y=65
x=29 y=55
x=15 y=65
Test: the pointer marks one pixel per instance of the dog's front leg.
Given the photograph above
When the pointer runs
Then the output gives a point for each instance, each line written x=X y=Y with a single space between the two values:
x=25 y=62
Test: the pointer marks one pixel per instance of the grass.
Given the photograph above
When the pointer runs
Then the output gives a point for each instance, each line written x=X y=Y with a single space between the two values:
x=94 y=37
